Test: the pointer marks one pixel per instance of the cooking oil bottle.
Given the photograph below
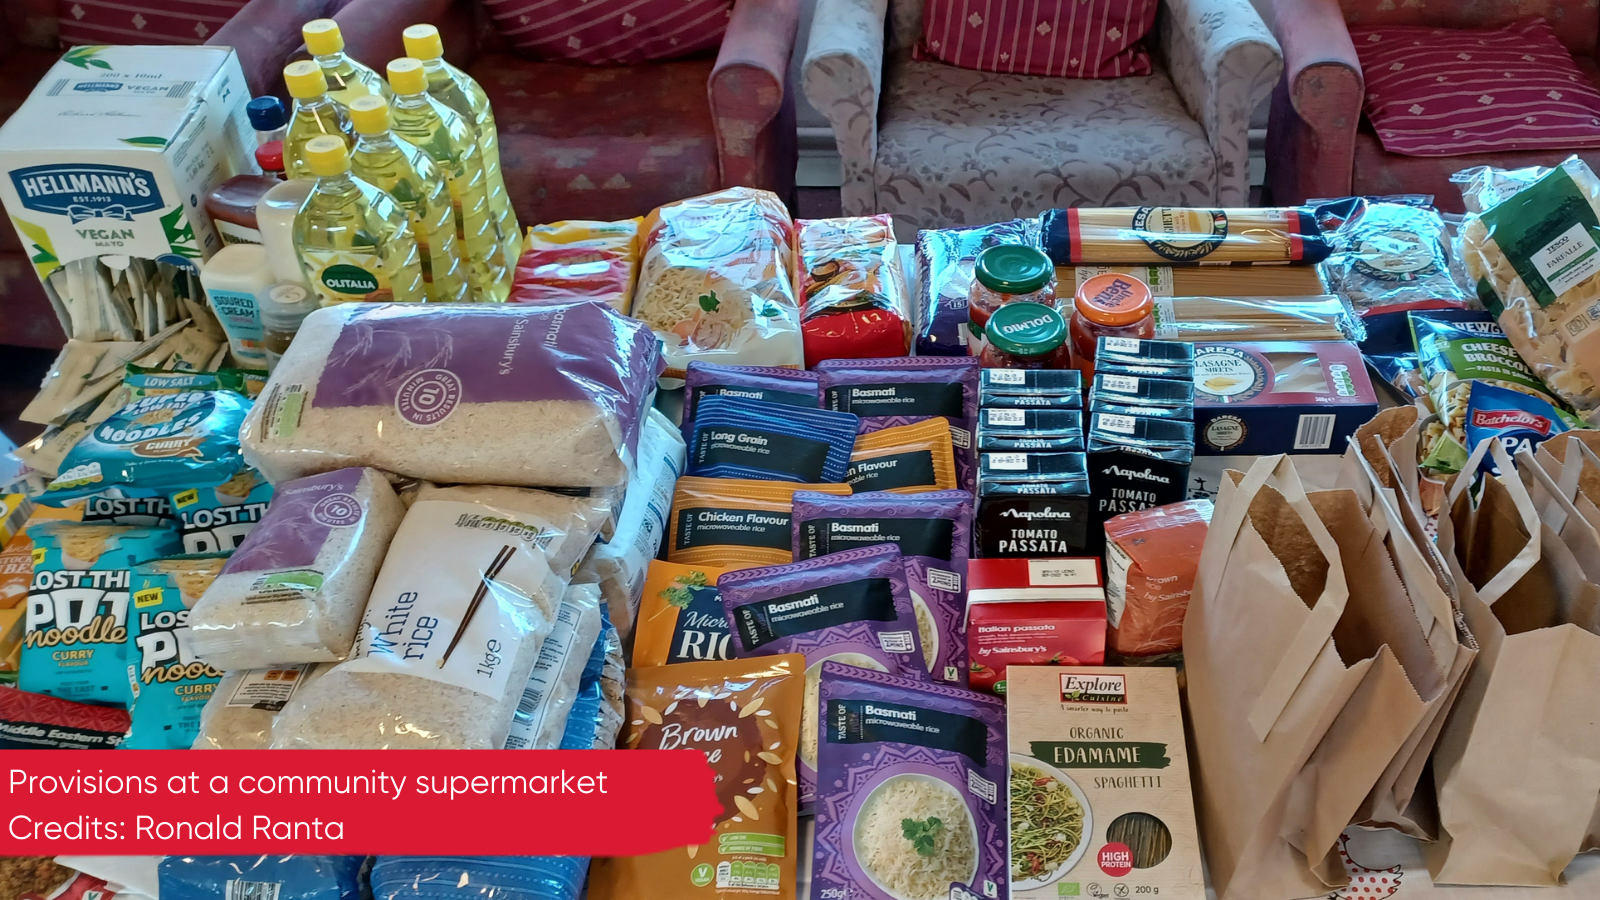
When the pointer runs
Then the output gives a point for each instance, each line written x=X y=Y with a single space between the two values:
x=347 y=79
x=438 y=131
x=393 y=165
x=354 y=240
x=315 y=115
x=457 y=90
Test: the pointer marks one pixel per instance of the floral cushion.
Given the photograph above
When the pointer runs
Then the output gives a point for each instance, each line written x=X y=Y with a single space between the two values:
x=1072 y=38
x=159 y=22
x=610 y=32
x=1444 y=92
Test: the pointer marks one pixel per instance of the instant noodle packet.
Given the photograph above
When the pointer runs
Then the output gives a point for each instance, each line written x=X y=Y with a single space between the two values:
x=908 y=459
x=744 y=715
x=681 y=618
x=216 y=518
x=911 y=803
x=144 y=382
x=174 y=685
x=734 y=522
x=769 y=384
x=736 y=438
x=158 y=443
x=934 y=534
x=852 y=607
x=900 y=391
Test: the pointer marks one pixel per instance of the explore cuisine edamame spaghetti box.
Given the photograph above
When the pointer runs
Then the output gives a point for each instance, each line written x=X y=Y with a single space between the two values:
x=1100 y=799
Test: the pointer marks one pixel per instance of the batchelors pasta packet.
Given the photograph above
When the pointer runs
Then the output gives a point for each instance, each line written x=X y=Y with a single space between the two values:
x=174 y=684
x=1519 y=421
x=744 y=714
x=158 y=443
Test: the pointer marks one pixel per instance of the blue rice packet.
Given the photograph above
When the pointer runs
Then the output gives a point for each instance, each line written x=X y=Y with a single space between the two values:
x=157 y=444
x=769 y=384
x=735 y=438
x=173 y=685
x=267 y=877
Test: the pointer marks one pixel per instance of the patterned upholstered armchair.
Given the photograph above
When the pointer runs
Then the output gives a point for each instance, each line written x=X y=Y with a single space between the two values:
x=937 y=145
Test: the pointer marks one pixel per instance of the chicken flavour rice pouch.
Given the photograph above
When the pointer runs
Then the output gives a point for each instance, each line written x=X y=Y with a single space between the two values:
x=911 y=801
x=908 y=459
x=736 y=438
x=934 y=534
x=158 y=443
x=900 y=391
x=174 y=684
x=77 y=638
x=852 y=607
x=745 y=716
x=734 y=522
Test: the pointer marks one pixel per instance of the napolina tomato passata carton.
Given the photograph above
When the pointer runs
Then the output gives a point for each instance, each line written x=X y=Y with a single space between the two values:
x=1033 y=612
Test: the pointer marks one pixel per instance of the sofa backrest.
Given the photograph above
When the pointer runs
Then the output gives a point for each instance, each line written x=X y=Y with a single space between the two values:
x=1577 y=22
x=30 y=23
x=905 y=24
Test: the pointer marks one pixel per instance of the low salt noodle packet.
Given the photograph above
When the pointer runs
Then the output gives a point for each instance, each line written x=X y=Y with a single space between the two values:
x=466 y=597
x=157 y=443
x=934 y=534
x=910 y=459
x=770 y=441
x=769 y=384
x=889 y=392
x=912 y=801
x=852 y=607
x=541 y=716
x=295 y=590
x=521 y=395
x=240 y=712
x=734 y=522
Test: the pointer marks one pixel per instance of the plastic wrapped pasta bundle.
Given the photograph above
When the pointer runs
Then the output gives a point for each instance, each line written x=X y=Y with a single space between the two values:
x=716 y=281
x=854 y=302
x=461 y=608
x=1171 y=235
x=568 y=261
x=1393 y=253
x=1318 y=318
x=1534 y=258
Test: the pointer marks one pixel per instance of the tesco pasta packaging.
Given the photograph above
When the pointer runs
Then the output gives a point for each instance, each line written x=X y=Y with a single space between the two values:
x=483 y=393
x=717 y=281
x=1099 y=784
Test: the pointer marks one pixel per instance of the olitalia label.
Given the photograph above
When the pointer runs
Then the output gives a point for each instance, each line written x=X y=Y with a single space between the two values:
x=343 y=277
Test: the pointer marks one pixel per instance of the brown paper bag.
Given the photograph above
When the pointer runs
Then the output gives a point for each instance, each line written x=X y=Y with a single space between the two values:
x=1555 y=499
x=1571 y=460
x=1299 y=645
x=1517 y=768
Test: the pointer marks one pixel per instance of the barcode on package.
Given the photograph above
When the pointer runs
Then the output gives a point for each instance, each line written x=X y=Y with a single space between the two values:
x=982 y=786
x=1122 y=384
x=1011 y=462
x=251 y=890
x=1121 y=345
x=1116 y=423
x=941 y=580
x=897 y=641
x=1007 y=376
x=1006 y=416
x=960 y=437
x=1314 y=432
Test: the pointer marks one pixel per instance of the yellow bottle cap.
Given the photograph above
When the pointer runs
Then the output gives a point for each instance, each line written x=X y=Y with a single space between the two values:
x=406 y=76
x=327 y=155
x=422 y=42
x=369 y=114
x=305 y=80
x=322 y=37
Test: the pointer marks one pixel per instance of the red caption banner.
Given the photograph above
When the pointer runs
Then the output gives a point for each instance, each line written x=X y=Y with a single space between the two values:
x=419 y=802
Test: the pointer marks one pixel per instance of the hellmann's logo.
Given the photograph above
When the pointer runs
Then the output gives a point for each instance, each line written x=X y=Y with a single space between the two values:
x=80 y=191
x=1077 y=688
x=1510 y=418
x=1145 y=475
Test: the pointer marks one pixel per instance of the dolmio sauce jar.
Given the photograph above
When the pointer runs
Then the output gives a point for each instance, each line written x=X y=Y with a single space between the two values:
x=1026 y=336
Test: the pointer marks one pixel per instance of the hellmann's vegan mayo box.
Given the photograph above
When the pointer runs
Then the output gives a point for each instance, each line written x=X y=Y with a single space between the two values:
x=1101 y=806
x=115 y=149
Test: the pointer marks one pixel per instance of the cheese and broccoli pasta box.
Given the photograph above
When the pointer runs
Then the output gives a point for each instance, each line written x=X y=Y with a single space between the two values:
x=1279 y=397
x=1101 y=803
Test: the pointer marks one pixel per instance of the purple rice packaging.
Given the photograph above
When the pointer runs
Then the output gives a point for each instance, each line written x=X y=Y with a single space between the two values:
x=769 y=384
x=900 y=391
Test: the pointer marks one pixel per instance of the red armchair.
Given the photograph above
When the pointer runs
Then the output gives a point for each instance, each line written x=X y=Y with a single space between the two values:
x=1319 y=145
x=591 y=142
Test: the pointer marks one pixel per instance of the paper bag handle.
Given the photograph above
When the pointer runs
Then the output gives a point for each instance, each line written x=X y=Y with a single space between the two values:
x=1528 y=556
x=1318 y=628
x=1572 y=469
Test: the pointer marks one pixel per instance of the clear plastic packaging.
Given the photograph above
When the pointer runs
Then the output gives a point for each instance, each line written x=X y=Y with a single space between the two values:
x=289 y=877
x=295 y=589
x=1389 y=253
x=478 y=877
x=240 y=712
x=547 y=698
x=465 y=599
x=547 y=395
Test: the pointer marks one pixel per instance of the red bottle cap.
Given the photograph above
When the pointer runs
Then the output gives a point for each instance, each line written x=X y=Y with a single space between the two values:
x=269 y=157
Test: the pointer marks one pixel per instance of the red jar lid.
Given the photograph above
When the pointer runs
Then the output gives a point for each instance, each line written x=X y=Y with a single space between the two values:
x=1114 y=299
x=269 y=156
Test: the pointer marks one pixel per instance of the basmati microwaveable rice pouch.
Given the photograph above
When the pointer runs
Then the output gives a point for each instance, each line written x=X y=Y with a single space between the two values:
x=769 y=384
x=903 y=390
x=735 y=438
x=934 y=534
x=911 y=790
x=158 y=443
x=174 y=685
x=851 y=607
x=77 y=642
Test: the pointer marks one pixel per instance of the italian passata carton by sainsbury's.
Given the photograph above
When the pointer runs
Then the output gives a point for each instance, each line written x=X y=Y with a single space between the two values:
x=115 y=148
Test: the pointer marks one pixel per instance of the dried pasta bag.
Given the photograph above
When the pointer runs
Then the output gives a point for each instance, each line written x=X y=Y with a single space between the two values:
x=77 y=632
x=240 y=711
x=1152 y=557
x=174 y=685
x=1171 y=235
x=734 y=522
x=853 y=295
x=1392 y=253
x=681 y=618
x=216 y=518
x=157 y=444
x=769 y=384
x=912 y=804
x=852 y=607
x=479 y=393
x=565 y=262
x=467 y=595
x=1517 y=420
x=1533 y=257
x=736 y=438
x=295 y=590
x=890 y=392
x=40 y=722
x=908 y=459
x=946 y=260
x=934 y=534
x=744 y=715
x=547 y=698
x=716 y=281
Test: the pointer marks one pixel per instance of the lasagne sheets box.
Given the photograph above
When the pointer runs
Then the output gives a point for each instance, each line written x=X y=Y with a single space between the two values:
x=1258 y=399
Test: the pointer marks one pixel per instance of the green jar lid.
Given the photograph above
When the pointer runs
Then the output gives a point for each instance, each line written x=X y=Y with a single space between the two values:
x=1026 y=329
x=974 y=329
x=1014 y=269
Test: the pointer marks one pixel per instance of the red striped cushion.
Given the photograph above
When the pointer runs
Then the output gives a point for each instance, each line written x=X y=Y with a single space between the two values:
x=1444 y=92
x=611 y=32
x=149 y=22
x=1071 y=38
